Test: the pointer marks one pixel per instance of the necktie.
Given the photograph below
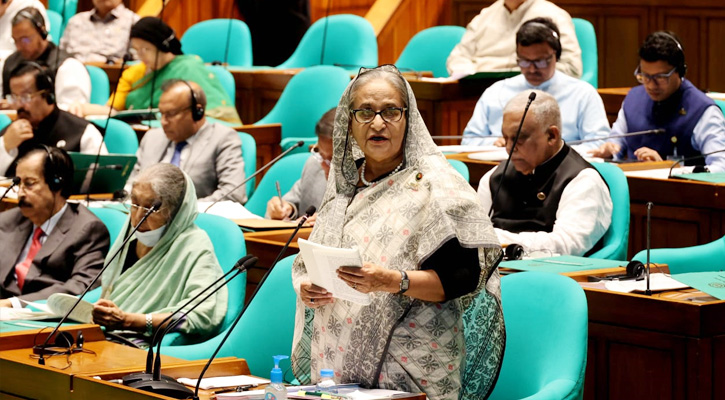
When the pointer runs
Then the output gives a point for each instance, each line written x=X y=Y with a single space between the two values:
x=176 y=158
x=21 y=269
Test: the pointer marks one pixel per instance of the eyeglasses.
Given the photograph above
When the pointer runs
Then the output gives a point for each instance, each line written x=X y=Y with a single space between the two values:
x=390 y=114
x=315 y=151
x=172 y=114
x=659 y=79
x=16 y=99
x=132 y=208
x=539 y=64
x=28 y=185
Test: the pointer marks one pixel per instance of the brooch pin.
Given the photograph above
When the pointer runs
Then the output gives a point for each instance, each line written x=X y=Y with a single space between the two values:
x=541 y=196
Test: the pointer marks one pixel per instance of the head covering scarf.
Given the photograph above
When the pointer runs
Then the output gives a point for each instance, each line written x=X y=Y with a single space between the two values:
x=398 y=342
x=156 y=32
x=180 y=265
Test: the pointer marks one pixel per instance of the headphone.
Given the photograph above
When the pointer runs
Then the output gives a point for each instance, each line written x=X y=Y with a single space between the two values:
x=197 y=110
x=54 y=181
x=36 y=19
x=556 y=42
x=43 y=80
x=166 y=43
x=682 y=68
x=513 y=251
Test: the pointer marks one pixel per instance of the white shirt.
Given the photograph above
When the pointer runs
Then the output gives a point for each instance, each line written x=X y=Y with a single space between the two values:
x=72 y=84
x=583 y=217
x=7 y=45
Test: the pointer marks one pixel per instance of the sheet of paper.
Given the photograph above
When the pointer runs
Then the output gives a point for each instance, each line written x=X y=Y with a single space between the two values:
x=322 y=262
x=224 y=381
x=459 y=148
x=658 y=173
x=712 y=283
x=227 y=209
x=60 y=303
x=498 y=155
x=658 y=282
x=10 y=314
x=249 y=395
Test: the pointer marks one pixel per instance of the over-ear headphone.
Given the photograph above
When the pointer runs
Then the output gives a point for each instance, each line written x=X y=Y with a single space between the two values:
x=166 y=43
x=43 y=80
x=36 y=19
x=682 y=67
x=513 y=251
x=54 y=181
x=197 y=110
x=556 y=42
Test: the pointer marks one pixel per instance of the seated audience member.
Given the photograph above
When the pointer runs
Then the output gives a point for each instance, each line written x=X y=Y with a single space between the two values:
x=488 y=43
x=310 y=188
x=40 y=121
x=101 y=34
x=155 y=44
x=538 y=50
x=49 y=245
x=168 y=261
x=552 y=199
x=72 y=82
x=693 y=123
x=210 y=153
x=8 y=9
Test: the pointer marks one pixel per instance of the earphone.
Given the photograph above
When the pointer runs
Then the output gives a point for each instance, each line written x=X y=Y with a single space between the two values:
x=513 y=251
x=197 y=110
x=35 y=19
x=554 y=34
x=166 y=44
x=54 y=181
x=43 y=81
x=682 y=68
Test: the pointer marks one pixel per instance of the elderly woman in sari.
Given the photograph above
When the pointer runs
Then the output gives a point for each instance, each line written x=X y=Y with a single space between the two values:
x=429 y=255
x=168 y=261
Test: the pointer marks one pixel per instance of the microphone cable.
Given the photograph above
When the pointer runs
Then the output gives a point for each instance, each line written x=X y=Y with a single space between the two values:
x=324 y=32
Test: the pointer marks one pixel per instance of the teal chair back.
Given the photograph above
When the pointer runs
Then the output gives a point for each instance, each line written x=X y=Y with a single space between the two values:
x=100 y=87
x=587 y=38
x=461 y=167
x=71 y=7
x=208 y=40
x=546 y=337
x=265 y=329
x=226 y=79
x=350 y=42
x=702 y=258
x=120 y=138
x=56 y=26
x=112 y=218
x=286 y=171
x=616 y=238
x=721 y=104
x=294 y=110
x=428 y=50
x=249 y=154
x=4 y=121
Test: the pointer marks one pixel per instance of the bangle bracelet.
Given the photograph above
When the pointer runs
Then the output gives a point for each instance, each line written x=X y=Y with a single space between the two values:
x=149 y=325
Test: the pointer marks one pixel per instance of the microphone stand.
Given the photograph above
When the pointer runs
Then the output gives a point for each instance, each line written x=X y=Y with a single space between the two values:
x=573 y=142
x=15 y=181
x=669 y=175
x=41 y=350
x=648 y=292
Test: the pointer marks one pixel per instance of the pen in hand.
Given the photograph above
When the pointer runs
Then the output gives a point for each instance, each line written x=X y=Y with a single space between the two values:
x=279 y=191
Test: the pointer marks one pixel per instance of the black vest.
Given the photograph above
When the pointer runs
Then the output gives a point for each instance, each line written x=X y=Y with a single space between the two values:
x=51 y=58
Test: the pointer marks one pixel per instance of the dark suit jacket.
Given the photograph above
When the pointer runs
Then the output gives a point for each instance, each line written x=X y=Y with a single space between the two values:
x=70 y=257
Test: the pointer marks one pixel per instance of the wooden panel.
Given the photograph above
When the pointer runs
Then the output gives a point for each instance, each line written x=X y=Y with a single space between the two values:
x=319 y=8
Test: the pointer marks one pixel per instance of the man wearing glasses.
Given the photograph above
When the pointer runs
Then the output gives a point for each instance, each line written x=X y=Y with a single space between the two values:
x=210 y=153
x=538 y=50
x=693 y=123
x=40 y=121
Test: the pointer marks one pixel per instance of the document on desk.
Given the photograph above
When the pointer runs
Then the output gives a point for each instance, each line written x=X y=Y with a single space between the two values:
x=224 y=381
x=57 y=306
x=712 y=282
x=322 y=262
x=658 y=282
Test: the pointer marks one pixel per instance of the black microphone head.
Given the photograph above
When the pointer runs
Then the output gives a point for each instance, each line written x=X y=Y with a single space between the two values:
x=310 y=211
x=532 y=96
x=16 y=180
x=240 y=263
x=250 y=262
x=300 y=143
x=156 y=205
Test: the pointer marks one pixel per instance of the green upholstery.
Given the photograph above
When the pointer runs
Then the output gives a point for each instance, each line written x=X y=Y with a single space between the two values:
x=112 y=218
x=208 y=40
x=4 y=121
x=226 y=79
x=587 y=38
x=286 y=171
x=295 y=109
x=350 y=42
x=249 y=154
x=100 y=87
x=702 y=258
x=546 y=337
x=461 y=167
x=71 y=7
x=617 y=236
x=265 y=329
x=428 y=50
x=120 y=138
x=56 y=26
x=721 y=104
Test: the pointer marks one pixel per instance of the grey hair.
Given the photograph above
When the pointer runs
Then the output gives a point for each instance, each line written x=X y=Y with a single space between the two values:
x=544 y=108
x=370 y=75
x=168 y=183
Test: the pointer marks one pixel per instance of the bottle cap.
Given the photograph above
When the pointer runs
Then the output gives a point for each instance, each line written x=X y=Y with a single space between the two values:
x=276 y=375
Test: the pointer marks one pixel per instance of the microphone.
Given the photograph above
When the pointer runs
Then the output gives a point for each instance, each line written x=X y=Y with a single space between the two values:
x=669 y=175
x=624 y=135
x=265 y=166
x=114 y=167
x=152 y=380
x=14 y=182
x=42 y=349
x=532 y=96
x=308 y=213
x=648 y=292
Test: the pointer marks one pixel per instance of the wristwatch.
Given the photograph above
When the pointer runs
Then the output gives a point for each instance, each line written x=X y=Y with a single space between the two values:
x=404 y=282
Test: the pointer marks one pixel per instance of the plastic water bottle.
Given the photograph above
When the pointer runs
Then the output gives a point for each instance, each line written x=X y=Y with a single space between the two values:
x=276 y=390
x=326 y=383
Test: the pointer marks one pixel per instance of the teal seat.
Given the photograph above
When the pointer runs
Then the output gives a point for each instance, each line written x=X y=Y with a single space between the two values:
x=120 y=138
x=721 y=104
x=4 y=121
x=546 y=337
x=66 y=8
x=295 y=110
x=249 y=154
x=56 y=26
x=350 y=42
x=617 y=236
x=226 y=79
x=112 y=218
x=208 y=40
x=286 y=171
x=702 y=258
x=461 y=167
x=265 y=329
x=428 y=50
x=100 y=87
x=587 y=38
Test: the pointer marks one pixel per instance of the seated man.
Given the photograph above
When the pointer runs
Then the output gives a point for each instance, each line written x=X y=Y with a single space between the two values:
x=50 y=246
x=210 y=153
x=41 y=121
x=551 y=200
x=538 y=50
x=488 y=43
x=72 y=82
x=693 y=123
x=101 y=34
x=8 y=9
x=310 y=188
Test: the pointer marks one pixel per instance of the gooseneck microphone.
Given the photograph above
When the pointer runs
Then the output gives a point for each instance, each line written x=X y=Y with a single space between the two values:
x=624 y=135
x=669 y=175
x=532 y=96
x=14 y=182
x=42 y=349
x=265 y=166
x=648 y=292
x=308 y=213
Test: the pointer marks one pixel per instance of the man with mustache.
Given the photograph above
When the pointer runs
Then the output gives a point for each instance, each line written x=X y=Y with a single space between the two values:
x=49 y=245
x=40 y=120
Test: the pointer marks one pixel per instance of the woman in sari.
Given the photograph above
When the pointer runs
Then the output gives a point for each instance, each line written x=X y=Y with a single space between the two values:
x=429 y=257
